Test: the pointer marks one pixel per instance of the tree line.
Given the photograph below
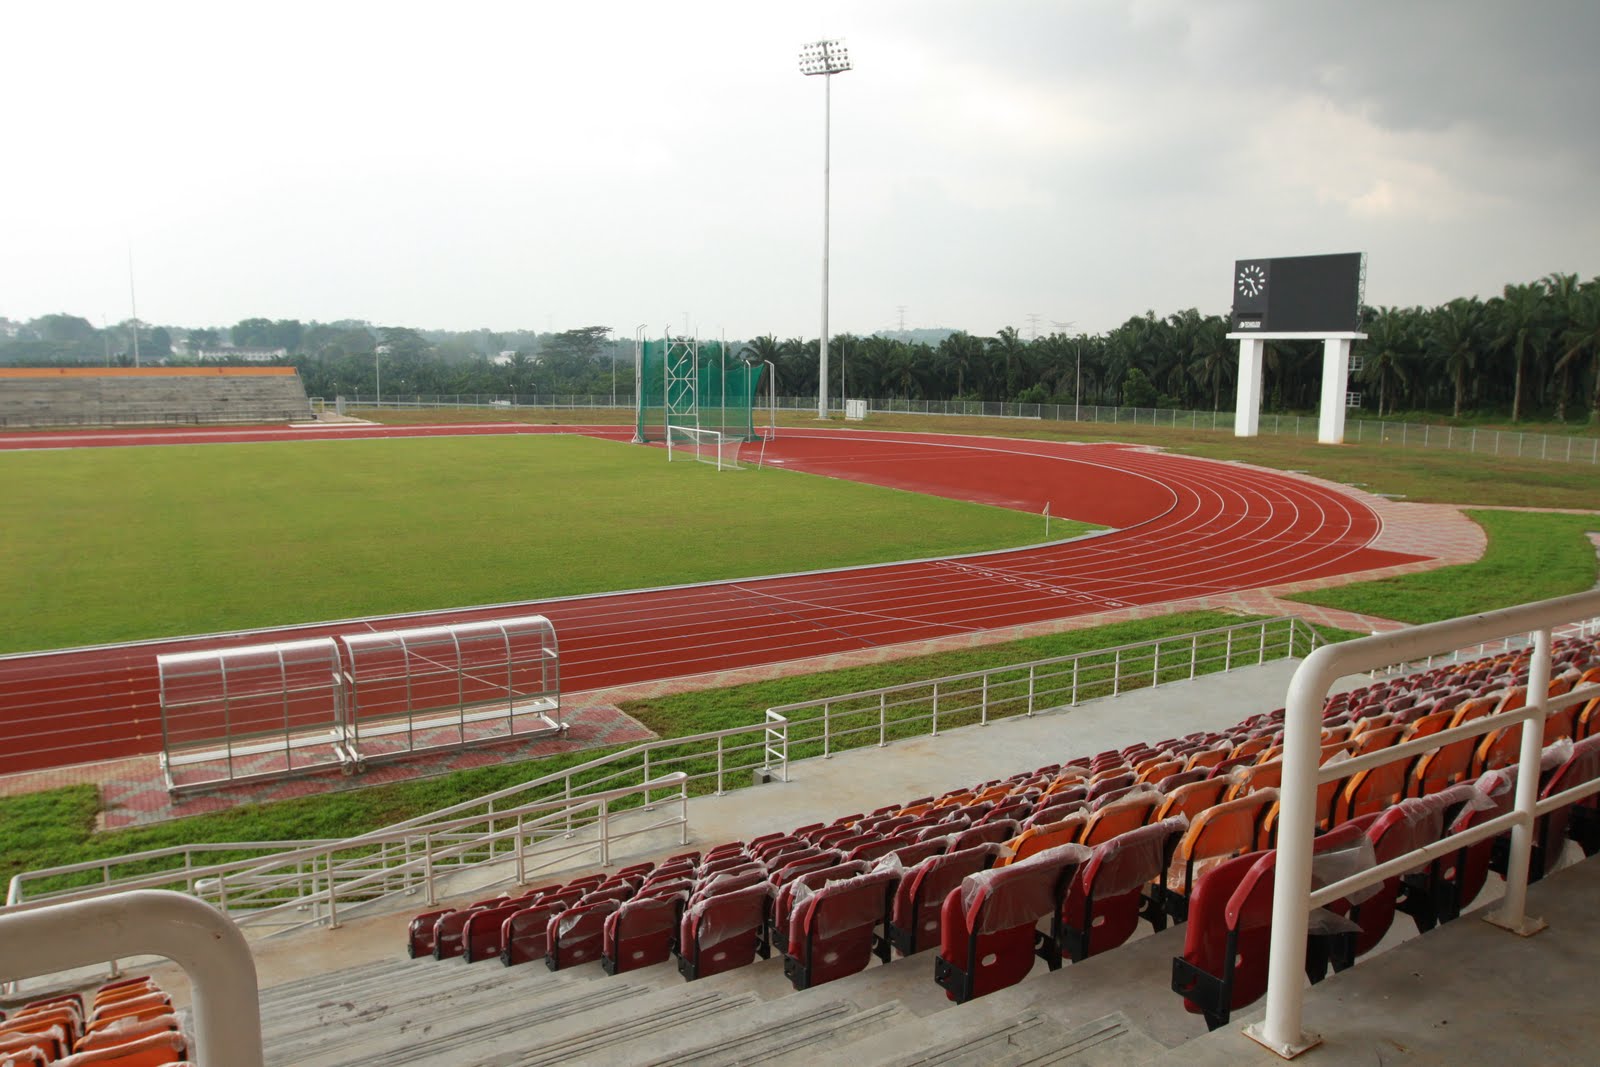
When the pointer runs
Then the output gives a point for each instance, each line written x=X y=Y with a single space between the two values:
x=1532 y=351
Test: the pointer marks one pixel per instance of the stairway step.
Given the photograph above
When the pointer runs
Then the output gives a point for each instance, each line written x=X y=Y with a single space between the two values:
x=1034 y=1039
x=802 y=1026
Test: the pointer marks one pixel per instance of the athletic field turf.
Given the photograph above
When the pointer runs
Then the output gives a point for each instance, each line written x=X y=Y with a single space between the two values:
x=101 y=545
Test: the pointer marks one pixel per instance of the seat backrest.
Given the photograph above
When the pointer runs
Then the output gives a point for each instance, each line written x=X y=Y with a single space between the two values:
x=1126 y=863
x=1003 y=898
x=1190 y=800
x=148 y=1051
x=1223 y=830
x=727 y=883
x=997 y=832
x=911 y=853
x=717 y=918
x=1124 y=814
x=838 y=908
x=1037 y=839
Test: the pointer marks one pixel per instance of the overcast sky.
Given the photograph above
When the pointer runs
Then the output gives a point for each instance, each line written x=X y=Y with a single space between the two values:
x=552 y=165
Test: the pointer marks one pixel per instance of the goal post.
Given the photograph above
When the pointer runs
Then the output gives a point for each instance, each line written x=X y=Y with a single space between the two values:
x=712 y=447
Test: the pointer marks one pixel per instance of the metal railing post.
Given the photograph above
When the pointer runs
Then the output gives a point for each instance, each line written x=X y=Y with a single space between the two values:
x=1194 y=656
x=827 y=723
x=1227 y=654
x=333 y=893
x=1032 y=672
x=605 y=832
x=883 y=719
x=1116 y=673
x=427 y=869
x=935 y=731
x=1512 y=911
x=522 y=859
x=719 y=767
x=983 y=706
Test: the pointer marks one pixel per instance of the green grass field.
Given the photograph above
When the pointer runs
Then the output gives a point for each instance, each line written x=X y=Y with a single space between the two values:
x=117 y=544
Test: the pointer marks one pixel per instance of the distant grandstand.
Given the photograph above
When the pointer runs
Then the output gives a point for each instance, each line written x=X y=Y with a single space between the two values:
x=39 y=397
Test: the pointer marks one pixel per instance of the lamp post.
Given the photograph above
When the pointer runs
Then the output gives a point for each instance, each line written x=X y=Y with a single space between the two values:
x=826 y=58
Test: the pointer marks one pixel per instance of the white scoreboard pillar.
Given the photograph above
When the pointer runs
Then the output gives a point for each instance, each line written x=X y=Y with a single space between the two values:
x=1335 y=376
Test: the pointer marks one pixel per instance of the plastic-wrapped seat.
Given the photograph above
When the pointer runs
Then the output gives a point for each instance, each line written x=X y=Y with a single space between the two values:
x=1224 y=962
x=988 y=936
x=1221 y=831
x=1191 y=799
x=727 y=882
x=52 y=1042
x=523 y=934
x=914 y=913
x=1036 y=839
x=1580 y=821
x=1407 y=826
x=783 y=896
x=122 y=1031
x=722 y=932
x=1107 y=897
x=576 y=935
x=419 y=932
x=911 y=853
x=1121 y=815
x=150 y=1051
x=820 y=860
x=831 y=928
x=640 y=933
x=480 y=938
x=996 y=833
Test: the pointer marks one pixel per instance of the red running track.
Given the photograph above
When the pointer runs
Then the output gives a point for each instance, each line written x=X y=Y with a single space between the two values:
x=1185 y=527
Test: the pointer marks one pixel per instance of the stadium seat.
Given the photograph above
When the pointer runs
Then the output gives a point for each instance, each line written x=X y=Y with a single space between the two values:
x=1224 y=962
x=914 y=916
x=480 y=938
x=831 y=928
x=640 y=933
x=576 y=935
x=910 y=854
x=124 y=1030
x=52 y=1041
x=783 y=896
x=522 y=936
x=1106 y=898
x=988 y=938
x=1215 y=834
x=25 y=1056
x=144 y=1007
x=1036 y=839
x=152 y=1050
x=727 y=882
x=1191 y=799
x=1124 y=814
x=722 y=932
x=1581 y=821
x=419 y=934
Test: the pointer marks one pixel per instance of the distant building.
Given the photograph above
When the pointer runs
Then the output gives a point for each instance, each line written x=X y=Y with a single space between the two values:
x=504 y=358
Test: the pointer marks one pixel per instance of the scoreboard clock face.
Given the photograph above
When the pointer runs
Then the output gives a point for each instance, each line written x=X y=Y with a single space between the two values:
x=1251 y=279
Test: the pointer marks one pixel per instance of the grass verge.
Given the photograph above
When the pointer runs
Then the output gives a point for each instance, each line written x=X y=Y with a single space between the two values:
x=1530 y=556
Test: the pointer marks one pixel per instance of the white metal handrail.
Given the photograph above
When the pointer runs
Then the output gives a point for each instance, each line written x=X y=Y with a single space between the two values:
x=1292 y=897
x=209 y=948
x=289 y=871
x=1025 y=689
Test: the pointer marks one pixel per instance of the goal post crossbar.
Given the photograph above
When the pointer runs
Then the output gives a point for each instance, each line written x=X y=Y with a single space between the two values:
x=712 y=447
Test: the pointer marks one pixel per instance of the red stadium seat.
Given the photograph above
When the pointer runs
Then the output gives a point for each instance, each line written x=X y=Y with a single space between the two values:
x=988 y=938
x=831 y=929
x=640 y=933
x=480 y=938
x=523 y=935
x=914 y=914
x=1105 y=900
x=576 y=935
x=722 y=932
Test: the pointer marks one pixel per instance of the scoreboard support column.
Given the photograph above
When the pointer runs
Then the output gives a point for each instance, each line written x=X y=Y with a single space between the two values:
x=1335 y=381
x=1247 y=416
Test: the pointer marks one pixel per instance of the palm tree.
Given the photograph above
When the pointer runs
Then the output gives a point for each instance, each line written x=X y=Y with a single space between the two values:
x=1583 y=336
x=1562 y=290
x=1454 y=338
x=1010 y=348
x=1522 y=328
x=964 y=353
x=1212 y=355
x=1390 y=346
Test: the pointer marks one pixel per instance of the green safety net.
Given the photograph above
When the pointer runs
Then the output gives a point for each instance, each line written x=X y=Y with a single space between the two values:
x=724 y=389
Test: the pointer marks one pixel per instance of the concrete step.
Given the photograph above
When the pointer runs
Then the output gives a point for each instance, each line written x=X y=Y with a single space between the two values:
x=806 y=1028
x=458 y=1031
x=1028 y=1039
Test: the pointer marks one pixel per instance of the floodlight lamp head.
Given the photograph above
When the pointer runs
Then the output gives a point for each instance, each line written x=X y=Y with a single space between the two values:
x=824 y=57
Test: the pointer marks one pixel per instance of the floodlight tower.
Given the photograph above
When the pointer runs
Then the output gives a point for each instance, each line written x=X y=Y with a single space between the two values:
x=826 y=58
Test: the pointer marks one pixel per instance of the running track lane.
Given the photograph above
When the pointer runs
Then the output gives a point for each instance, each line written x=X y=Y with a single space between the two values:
x=1186 y=527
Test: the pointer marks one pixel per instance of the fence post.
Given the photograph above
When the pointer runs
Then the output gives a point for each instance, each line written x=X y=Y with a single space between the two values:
x=719 y=769
x=1261 y=649
x=522 y=859
x=1194 y=656
x=983 y=708
x=935 y=732
x=883 y=719
x=1075 y=662
x=333 y=893
x=1116 y=673
x=826 y=724
x=1227 y=654
x=605 y=832
x=1155 y=667
x=1032 y=671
